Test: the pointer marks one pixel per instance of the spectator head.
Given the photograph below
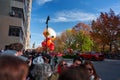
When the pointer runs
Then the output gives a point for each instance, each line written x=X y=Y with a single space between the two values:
x=12 y=68
x=73 y=74
x=77 y=61
x=62 y=65
x=46 y=58
x=90 y=69
x=18 y=47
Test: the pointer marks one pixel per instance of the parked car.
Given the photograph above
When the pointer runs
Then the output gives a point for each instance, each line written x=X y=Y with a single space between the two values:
x=92 y=56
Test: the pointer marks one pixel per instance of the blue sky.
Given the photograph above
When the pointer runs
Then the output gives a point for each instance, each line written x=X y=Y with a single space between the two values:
x=64 y=14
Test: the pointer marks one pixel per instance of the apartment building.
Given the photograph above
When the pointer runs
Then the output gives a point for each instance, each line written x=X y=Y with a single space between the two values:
x=15 y=22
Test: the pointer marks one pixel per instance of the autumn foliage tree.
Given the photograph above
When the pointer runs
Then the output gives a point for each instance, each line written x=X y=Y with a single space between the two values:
x=83 y=41
x=77 y=38
x=106 y=30
x=82 y=37
x=59 y=44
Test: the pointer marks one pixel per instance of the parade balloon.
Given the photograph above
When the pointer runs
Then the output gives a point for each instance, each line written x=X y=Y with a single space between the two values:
x=46 y=33
x=48 y=41
x=51 y=47
x=43 y=44
x=50 y=33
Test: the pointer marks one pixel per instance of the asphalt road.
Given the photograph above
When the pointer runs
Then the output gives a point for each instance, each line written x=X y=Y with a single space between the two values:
x=107 y=69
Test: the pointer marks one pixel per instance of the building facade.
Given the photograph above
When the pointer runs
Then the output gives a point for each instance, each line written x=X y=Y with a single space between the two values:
x=15 y=22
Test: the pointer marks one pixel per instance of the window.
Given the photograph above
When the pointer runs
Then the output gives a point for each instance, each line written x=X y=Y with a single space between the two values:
x=16 y=12
x=15 y=31
x=20 y=0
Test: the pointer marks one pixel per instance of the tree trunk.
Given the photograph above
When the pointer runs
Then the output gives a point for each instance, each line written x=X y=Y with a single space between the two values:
x=110 y=47
x=103 y=47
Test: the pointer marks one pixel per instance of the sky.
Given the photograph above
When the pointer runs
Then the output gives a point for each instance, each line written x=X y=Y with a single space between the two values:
x=65 y=14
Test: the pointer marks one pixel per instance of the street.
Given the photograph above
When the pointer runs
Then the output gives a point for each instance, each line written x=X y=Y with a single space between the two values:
x=107 y=69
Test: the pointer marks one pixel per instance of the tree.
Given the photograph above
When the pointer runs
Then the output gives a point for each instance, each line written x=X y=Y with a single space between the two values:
x=59 y=44
x=77 y=38
x=82 y=26
x=84 y=41
x=105 y=30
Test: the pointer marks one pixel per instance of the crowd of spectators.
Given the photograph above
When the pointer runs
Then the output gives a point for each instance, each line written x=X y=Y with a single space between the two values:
x=17 y=64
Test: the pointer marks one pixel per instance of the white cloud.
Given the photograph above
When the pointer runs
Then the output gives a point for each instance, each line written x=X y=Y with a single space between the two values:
x=73 y=15
x=60 y=19
x=41 y=2
x=69 y=16
x=115 y=8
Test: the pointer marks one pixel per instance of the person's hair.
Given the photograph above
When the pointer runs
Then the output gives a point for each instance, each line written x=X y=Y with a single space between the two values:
x=12 y=68
x=16 y=46
x=61 y=63
x=61 y=67
x=47 y=56
x=74 y=73
x=77 y=58
x=87 y=62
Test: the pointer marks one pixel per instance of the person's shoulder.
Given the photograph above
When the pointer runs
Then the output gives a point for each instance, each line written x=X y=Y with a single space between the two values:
x=93 y=77
x=23 y=58
x=54 y=76
x=9 y=52
x=99 y=78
